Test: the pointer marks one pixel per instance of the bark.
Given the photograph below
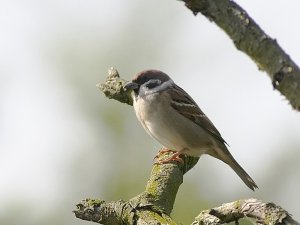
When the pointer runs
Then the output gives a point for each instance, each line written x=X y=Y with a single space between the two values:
x=153 y=206
x=257 y=211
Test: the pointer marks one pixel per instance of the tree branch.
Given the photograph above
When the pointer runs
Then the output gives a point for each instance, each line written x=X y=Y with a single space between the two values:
x=261 y=213
x=252 y=40
x=153 y=206
x=113 y=87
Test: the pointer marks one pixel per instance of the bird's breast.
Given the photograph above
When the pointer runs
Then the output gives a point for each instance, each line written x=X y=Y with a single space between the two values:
x=167 y=126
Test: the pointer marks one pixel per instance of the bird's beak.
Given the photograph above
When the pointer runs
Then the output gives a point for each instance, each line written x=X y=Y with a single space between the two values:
x=131 y=86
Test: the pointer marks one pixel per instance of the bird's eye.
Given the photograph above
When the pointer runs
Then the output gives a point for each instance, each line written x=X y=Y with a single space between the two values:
x=152 y=83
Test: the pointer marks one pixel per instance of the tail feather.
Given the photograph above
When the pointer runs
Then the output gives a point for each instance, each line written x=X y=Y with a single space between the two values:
x=243 y=175
x=224 y=155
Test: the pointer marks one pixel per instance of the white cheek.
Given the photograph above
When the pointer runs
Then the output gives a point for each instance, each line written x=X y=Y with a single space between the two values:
x=136 y=107
x=139 y=109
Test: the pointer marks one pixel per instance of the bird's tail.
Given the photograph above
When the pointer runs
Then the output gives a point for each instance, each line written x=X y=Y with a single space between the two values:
x=224 y=155
x=243 y=175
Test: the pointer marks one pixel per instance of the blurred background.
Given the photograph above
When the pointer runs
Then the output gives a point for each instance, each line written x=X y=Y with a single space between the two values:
x=61 y=140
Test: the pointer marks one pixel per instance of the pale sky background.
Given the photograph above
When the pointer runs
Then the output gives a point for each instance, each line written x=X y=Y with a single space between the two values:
x=54 y=144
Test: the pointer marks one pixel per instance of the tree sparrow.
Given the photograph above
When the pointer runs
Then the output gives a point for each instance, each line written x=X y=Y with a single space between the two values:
x=173 y=118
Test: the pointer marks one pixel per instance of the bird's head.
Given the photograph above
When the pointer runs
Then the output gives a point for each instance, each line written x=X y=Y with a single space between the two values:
x=148 y=82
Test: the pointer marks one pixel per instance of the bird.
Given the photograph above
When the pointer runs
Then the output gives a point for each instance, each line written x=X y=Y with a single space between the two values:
x=173 y=118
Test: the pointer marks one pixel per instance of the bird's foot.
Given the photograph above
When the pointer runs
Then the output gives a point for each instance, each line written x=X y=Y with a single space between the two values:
x=175 y=157
x=163 y=151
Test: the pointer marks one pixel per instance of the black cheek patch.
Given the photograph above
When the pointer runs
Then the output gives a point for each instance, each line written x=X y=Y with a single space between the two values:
x=152 y=85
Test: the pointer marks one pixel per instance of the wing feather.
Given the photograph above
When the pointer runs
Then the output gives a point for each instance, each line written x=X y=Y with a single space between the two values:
x=187 y=107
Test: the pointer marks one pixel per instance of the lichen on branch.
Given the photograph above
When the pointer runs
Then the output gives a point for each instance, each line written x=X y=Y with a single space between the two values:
x=113 y=87
x=256 y=210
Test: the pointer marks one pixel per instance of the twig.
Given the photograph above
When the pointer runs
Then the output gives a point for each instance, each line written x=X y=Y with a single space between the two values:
x=252 y=40
x=257 y=211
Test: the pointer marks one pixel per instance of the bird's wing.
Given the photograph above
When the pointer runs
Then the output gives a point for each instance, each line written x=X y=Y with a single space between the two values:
x=187 y=107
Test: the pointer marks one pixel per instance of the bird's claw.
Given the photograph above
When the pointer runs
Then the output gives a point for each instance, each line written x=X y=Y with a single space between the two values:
x=163 y=151
x=175 y=157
